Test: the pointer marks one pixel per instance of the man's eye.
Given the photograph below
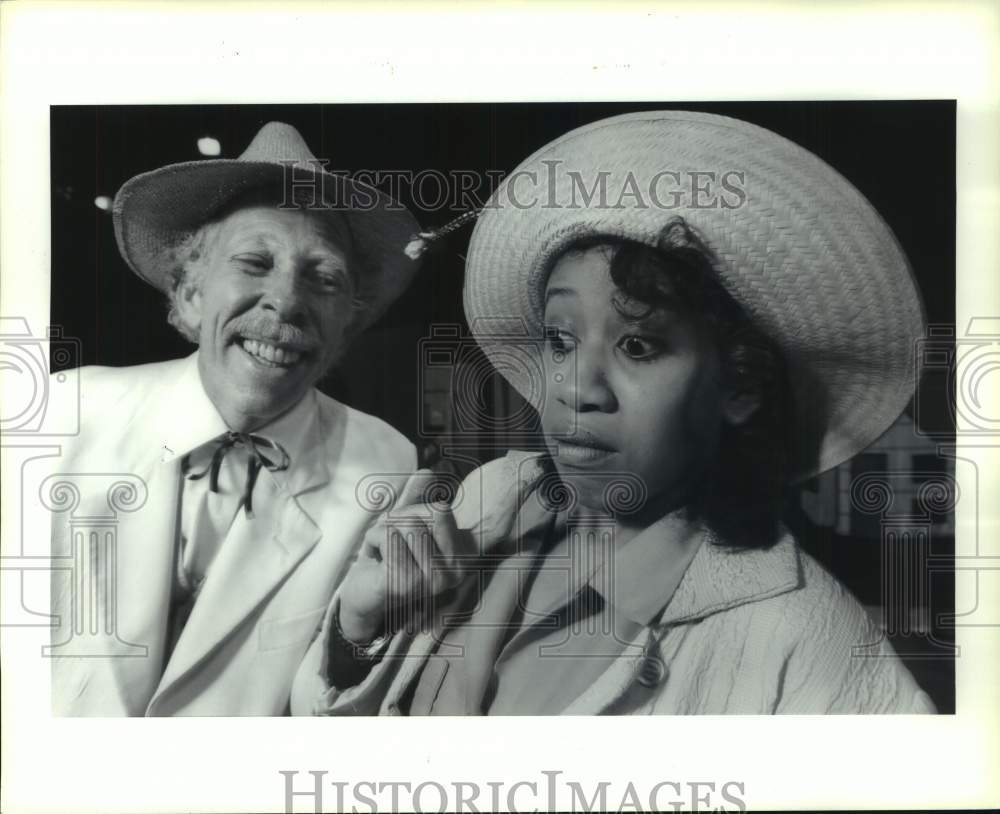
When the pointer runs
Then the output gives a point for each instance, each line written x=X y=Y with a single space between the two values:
x=330 y=281
x=640 y=348
x=253 y=261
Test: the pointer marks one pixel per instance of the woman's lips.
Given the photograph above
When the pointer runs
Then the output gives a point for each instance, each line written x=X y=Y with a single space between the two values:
x=582 y=452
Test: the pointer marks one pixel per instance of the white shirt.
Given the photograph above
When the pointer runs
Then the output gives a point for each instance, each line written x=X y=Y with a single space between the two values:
x=207 y=516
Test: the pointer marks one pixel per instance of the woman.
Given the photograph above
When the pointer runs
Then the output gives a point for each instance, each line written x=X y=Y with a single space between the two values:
x=698 y=348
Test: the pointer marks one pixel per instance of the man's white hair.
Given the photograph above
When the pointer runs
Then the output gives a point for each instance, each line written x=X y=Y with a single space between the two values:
x=189 y=263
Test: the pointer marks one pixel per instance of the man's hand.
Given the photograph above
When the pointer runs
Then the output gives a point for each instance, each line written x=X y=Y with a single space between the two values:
x=408 y=555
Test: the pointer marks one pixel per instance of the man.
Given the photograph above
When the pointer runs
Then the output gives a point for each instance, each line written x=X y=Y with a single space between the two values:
x=235 y=506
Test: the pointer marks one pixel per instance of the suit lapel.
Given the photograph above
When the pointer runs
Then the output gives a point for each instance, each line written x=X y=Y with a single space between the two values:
x=143 y=585
x=256 y=557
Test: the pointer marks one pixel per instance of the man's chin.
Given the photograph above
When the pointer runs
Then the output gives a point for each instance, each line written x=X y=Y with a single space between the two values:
x=260 y=409
x=267 y=392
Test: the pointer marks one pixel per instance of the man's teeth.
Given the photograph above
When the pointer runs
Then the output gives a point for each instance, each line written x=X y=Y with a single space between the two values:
x=271 y=353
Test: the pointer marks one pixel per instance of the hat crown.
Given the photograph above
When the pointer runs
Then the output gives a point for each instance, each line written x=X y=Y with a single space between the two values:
x=277 y=142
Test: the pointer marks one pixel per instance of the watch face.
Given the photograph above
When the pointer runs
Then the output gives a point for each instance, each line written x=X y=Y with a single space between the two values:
x=377 y=647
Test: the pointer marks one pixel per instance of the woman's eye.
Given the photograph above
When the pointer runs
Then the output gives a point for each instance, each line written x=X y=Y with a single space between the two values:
x=558 y=340
x=640 y=348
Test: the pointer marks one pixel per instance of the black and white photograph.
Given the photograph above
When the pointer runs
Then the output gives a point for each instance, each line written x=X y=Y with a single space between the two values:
x=619 y=435
x=388 y=430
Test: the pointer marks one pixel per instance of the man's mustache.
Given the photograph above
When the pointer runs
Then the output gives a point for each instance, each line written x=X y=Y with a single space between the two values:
x=274 y=332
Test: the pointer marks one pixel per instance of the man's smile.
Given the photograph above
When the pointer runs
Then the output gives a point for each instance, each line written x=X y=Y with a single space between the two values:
x=272 y=355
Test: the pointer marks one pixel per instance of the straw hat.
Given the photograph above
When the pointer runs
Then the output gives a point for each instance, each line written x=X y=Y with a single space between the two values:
x=155 y=210
x=805 y=254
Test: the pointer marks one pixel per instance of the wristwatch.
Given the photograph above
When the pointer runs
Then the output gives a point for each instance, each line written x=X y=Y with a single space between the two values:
x=349 y=661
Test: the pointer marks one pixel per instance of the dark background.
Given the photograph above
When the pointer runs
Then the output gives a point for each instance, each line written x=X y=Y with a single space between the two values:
x=900 y=154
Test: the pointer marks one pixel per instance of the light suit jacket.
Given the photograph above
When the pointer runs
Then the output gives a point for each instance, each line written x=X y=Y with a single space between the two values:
x=267 y=590
x=757 y=631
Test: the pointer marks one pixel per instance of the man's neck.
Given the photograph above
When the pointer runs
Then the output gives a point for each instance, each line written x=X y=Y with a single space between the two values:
x=238 y=420
x=242 y=422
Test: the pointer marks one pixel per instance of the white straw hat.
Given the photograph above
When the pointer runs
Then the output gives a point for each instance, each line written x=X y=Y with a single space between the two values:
x=804 y=253
x=154 y=211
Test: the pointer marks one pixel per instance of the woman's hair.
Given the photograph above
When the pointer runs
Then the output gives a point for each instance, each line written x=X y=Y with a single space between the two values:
x=742 y=490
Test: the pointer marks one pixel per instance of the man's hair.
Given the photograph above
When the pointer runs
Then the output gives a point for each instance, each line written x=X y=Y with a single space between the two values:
x=741 y=492
x=188 y=258
x=187 y=269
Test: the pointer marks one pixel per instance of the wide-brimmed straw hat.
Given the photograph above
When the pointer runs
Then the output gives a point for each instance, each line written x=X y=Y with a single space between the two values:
x=153 y=212
x=805 y=254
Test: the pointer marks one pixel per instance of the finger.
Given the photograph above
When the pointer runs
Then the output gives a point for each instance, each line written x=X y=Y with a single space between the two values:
x=379 y=532
x=405 y=581
x=415 y=488
x=374 y=542
x=443 y=550
x=454 y=545
x=437 y=571
x=495 y=521
x=403 y=574
x=421 y=546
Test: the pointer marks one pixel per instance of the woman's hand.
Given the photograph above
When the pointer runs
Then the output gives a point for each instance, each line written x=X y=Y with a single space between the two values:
x=411 y=553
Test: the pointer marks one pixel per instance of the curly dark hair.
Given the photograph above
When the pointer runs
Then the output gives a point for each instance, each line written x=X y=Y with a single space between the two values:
x=740 y=494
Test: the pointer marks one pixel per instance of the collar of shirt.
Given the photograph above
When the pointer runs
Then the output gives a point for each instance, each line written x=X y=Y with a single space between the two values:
x=677 y=571
x=720 y=577
x=713 y=576
x=641 y=575
x=637 y=577
x=296 y=430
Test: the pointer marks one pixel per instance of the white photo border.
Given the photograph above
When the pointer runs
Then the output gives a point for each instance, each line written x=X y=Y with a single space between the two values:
x=54 y=53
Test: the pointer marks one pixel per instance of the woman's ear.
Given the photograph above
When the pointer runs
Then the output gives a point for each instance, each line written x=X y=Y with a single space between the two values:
x=740 y=405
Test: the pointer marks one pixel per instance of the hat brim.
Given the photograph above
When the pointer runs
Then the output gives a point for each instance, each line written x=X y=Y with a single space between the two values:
x=806 y=255
x=153 y=212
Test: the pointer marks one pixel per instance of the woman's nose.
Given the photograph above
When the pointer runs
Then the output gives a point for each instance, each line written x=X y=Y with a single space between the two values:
x=585 y=383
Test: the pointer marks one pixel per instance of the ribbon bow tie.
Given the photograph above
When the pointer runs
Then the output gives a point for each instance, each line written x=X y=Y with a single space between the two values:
x=255 y=445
